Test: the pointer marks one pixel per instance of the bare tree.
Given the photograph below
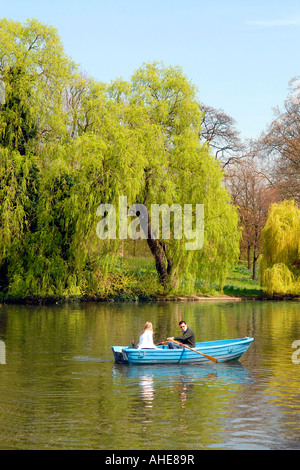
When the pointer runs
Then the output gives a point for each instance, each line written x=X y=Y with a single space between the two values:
x=218 y=129
x=281 y=144
x=253 y=194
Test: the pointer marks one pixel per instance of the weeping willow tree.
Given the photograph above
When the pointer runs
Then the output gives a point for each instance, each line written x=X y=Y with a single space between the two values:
x=34 y=71
x=18 y=201
x=280 y=263
x=63 y=257
x=161 y=104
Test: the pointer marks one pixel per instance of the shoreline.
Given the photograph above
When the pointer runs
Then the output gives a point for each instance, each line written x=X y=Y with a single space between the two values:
x=220 y=298
x=197 y=298
x=158 y=298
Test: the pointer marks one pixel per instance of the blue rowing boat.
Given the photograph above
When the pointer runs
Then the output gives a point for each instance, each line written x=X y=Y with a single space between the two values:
x=222 y=350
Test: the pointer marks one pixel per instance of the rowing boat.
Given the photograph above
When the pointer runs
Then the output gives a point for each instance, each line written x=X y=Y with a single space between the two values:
x=222 y=350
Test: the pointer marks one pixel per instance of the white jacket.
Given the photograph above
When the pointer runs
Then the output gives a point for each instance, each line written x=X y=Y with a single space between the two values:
x=146 y=340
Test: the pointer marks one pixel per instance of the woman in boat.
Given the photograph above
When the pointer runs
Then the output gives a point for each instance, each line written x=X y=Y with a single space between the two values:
x=146 y=338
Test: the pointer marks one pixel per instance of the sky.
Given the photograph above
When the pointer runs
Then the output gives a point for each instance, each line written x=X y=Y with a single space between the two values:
x=241 y=55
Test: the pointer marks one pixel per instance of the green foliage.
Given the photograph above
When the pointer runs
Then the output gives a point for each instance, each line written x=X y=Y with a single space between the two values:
x=35 y=71
x=18 y=126
x=280 y=264
x=69 y=144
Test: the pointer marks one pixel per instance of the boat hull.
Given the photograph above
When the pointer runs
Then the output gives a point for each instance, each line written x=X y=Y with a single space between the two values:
x=222 y=350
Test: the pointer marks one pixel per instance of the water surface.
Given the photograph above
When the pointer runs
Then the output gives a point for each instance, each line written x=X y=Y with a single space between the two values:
x=60 y=387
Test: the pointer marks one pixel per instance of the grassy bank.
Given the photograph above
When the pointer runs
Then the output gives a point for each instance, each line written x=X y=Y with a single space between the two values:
x=143 y=277
x=135 y=279
x=239 y=283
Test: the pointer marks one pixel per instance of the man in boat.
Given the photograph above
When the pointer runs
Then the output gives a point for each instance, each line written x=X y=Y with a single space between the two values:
x=188 y=337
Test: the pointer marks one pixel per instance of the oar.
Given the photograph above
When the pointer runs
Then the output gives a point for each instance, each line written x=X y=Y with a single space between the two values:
x=195 y=350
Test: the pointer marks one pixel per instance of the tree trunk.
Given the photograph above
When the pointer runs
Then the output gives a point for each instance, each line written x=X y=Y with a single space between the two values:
x=163 y=262
x=248 y=256
x=255 y=258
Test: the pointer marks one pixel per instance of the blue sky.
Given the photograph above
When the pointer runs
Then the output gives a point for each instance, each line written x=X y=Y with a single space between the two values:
x=239 y=54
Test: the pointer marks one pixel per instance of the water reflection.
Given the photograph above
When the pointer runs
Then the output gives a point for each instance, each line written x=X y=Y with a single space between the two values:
x=234 y=373
x=180 y=379
x=147 y=390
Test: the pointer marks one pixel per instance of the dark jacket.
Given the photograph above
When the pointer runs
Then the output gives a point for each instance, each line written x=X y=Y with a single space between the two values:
x=187 y=338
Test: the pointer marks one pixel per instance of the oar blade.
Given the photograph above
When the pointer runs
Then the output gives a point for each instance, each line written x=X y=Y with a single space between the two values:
x=215 y=360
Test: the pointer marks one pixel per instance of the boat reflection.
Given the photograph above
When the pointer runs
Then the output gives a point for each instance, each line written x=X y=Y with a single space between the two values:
x=180 y=379
x=229 y=372
x=146 y=385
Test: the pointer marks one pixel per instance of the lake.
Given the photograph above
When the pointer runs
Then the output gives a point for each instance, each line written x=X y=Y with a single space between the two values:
x=60 y=387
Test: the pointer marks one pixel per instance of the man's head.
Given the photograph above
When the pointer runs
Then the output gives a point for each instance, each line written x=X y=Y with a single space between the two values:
x=183 y=325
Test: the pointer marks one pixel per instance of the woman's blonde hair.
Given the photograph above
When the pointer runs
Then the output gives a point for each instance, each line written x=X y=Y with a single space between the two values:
x=147 y=326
